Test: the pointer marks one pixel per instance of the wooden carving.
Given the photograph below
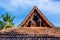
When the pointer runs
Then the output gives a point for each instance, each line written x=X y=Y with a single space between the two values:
x=36 y=19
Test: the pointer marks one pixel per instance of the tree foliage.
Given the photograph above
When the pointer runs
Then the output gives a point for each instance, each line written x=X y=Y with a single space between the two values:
x=7 y=21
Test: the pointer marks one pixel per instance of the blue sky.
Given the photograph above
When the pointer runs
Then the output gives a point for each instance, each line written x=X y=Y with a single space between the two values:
x=21 y=8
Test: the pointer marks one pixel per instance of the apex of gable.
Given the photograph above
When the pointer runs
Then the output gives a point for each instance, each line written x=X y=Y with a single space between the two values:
x=36 y=18
x=35 y=7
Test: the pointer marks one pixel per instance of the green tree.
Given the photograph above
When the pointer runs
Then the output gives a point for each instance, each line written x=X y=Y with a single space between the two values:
x=7 y=21
x=1 y=25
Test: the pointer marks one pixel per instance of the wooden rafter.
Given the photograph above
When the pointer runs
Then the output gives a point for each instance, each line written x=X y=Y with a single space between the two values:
x=39 y=14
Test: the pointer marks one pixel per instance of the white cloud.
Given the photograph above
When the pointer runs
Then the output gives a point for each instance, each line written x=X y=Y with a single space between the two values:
x=13 y=5
x=48 y=6
x=19 y=6
x=53 y=7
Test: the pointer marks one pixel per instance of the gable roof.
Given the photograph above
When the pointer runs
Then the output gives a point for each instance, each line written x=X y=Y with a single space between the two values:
x=38 y=31
x=40 y=14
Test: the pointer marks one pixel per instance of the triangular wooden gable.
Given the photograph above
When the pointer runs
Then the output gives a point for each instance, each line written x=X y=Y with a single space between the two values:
x=36 y=19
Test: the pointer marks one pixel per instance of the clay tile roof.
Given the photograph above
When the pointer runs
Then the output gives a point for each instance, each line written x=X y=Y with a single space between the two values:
x=33 y=30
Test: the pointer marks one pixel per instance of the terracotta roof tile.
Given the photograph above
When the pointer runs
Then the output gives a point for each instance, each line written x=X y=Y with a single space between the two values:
x=33 y=30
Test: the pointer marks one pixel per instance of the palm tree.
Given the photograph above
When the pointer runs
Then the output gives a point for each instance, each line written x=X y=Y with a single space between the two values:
x=7 y=20
x=1 y=25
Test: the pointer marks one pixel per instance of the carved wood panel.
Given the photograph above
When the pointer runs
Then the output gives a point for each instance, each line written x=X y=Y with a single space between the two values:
x=35 y=21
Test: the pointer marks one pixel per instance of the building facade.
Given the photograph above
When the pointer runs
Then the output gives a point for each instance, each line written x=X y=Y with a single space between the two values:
x=35 y=27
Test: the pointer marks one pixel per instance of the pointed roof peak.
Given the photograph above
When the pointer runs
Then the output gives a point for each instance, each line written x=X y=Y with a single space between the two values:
x=34 y=7
x=30 y=17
